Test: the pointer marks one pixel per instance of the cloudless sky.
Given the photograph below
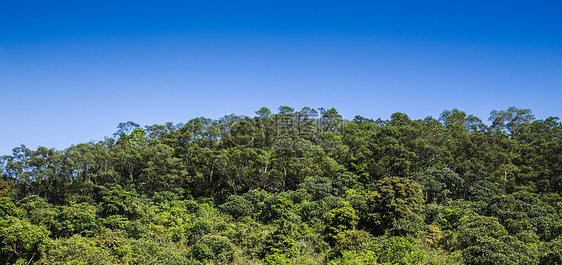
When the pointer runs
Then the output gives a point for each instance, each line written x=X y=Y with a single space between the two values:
x=71 y=71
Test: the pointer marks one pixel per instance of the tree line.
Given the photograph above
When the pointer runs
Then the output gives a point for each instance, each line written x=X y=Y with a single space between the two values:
x=292 y=187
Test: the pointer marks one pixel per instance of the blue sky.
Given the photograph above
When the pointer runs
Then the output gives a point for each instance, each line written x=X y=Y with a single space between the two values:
x=70 y=71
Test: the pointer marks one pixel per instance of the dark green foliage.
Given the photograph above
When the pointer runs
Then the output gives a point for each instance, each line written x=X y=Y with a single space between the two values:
x=523 y=211
x=503 y=250
x=438 y=185
x=4 y=188
x=317 y=187
x=237 y=206
x=551 y=252
x=345 y=181
x=357 y=169
x=118 y=201
x=212 y=247
x=484 y=190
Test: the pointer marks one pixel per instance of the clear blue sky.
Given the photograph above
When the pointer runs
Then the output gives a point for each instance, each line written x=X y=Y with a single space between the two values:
x=70 y=71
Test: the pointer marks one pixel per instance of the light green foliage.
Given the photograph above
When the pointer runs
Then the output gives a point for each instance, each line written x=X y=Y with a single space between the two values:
x=129 y=228
x=394 y=205
x=341 y=219
x=276 y=259
x=250 y=236
x=78 y=250
x=170 y=257
x=400 y=250
x=111 y=248
x=6 y=207
x=354 y=241
x=137 y=138
x=20 y=239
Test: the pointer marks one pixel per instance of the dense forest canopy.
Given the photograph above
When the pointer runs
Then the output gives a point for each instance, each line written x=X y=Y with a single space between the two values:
x=294 y=187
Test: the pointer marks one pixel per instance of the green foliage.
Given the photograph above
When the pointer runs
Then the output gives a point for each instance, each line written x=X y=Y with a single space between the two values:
x=317 y=187
x=551 y=252
x=4 y=188
x=356 y=168
x=76 y=219
x=471 y=228
x=78 y=250
x=485 y=190
x=400 y=250
x=6 y=207
x=503 y=250
x=293 y=187
x=278 y=208
x=118 y=201
x=483 y=239
x=438 y=185
x=358 y=244
x=341 y=219
x=213 y=247
x=523 y=207
x=170 y=257
x=395 y=201
x=237 y=206
x=276 y=258
x=345 y=181
x=21 y=240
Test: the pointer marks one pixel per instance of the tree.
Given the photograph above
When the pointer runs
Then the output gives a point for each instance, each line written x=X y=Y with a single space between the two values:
x=4 y=189
x=395 y=201
x=400 y=250
x=341 y=219
x=457 y=121
x=125 y=128
x=438 y=185
x=76 y=219
x=21 y=241
x=512 y=120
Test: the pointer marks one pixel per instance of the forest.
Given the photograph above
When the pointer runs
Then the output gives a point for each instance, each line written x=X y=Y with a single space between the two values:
x=292 y=187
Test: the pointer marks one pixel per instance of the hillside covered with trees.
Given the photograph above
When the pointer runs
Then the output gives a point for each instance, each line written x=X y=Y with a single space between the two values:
x=294 y=187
